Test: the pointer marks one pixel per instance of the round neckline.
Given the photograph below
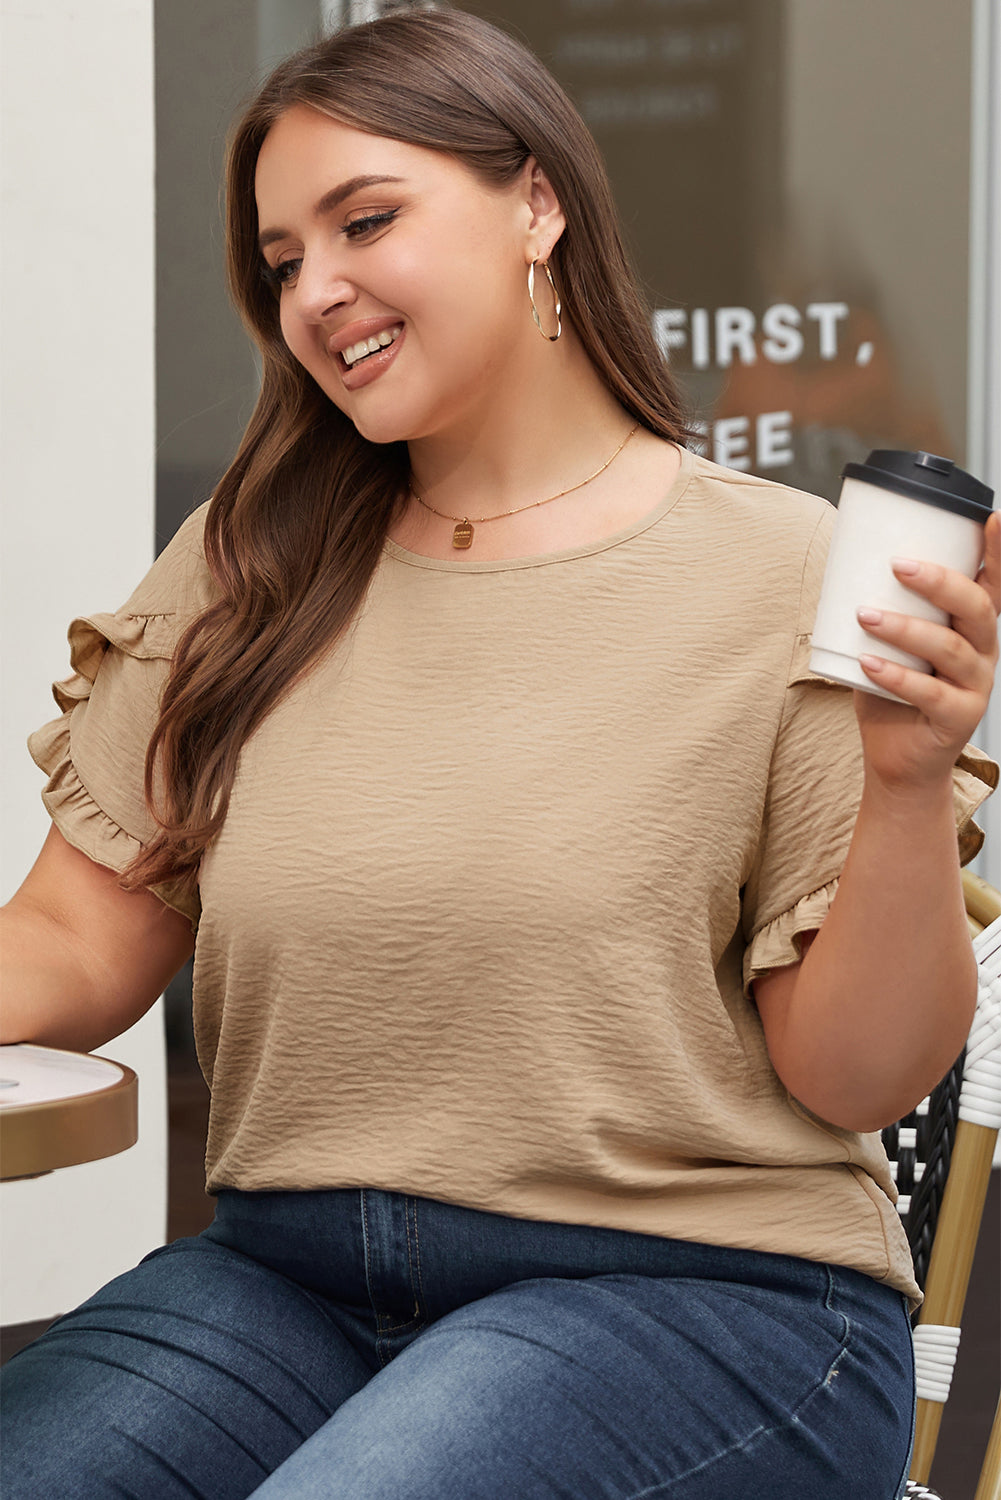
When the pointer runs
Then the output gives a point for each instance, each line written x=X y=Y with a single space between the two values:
x=568 y=554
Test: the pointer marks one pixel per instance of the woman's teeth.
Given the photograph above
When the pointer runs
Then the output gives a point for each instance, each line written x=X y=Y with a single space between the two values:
x=365 y=347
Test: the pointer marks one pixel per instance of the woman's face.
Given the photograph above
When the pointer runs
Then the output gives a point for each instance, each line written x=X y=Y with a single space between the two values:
x=376 y=239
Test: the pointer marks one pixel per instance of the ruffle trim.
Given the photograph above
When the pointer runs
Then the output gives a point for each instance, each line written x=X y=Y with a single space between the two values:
x=974 y=777
x=777 y=944
x=82 y=822
x=145 y=637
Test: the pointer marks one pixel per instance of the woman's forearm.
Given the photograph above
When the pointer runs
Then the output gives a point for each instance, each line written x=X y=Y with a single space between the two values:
x=882 y=1003
x=82 y=959
x=47 y=993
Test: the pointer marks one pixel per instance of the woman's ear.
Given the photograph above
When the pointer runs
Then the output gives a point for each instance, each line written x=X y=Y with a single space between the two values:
x=546 y=219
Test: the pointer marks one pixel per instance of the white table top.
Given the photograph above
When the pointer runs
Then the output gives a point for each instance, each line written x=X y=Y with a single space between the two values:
x=39 y=1075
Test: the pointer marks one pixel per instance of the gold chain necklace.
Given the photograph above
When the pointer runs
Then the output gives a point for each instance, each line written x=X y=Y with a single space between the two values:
x=462 y=536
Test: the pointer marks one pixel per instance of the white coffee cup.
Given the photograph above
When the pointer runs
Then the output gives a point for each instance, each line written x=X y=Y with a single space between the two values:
x=896 y=504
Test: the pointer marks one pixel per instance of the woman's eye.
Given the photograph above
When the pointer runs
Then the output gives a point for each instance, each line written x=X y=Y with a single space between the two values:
x=357 y=228
x=281 y=275
x=286 y=271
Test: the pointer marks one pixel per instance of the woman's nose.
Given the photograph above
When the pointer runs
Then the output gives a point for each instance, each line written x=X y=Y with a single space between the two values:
x=321 y=288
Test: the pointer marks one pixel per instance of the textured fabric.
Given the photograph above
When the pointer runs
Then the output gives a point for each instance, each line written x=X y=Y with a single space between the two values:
x=497 y=873
x=379 y=1346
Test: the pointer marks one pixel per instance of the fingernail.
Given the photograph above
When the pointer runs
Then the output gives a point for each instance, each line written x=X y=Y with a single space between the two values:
x=868 y=616
x=905 y=565
x=872 y=663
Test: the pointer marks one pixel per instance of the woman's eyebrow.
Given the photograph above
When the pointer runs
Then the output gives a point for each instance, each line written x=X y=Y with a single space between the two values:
x=328 y=203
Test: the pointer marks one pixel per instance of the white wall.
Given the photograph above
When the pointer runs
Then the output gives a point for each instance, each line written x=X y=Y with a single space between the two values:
x=76 y=509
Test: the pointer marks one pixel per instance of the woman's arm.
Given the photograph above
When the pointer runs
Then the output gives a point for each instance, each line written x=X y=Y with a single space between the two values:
x=880 y=1006
x=83 y=959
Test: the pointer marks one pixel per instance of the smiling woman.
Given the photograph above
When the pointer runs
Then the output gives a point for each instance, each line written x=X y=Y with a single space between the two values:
x=417 y=260
x=551 y=916
x=473 y=187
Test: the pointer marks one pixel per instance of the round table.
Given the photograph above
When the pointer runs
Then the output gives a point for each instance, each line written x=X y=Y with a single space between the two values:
x=58 y=1109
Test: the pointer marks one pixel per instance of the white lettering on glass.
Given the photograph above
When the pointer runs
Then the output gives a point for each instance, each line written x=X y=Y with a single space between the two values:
x=669 y=328
x=718 y=337
x=700 y=338
x=773 y=438
x=730 y=442
x=728 y=439
x=828 y=315
x=735 y=335
x=783 y=341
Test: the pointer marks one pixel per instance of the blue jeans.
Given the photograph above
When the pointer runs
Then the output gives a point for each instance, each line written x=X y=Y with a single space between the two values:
x=371 y=1345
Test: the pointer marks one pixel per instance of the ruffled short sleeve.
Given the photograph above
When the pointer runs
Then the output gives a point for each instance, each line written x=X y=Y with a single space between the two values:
x=94 y=754
x=814 y=789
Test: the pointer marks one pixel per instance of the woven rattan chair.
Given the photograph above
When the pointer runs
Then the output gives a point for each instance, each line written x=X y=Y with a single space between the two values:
x=941 y=1157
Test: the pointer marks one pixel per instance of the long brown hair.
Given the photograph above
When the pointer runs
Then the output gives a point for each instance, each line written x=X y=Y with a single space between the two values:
x=297 y=524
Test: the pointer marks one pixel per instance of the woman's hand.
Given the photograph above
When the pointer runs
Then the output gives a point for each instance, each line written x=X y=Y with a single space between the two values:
x=912 y=746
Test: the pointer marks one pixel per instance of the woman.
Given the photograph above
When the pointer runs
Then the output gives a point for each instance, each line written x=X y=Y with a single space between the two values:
x=557 y=931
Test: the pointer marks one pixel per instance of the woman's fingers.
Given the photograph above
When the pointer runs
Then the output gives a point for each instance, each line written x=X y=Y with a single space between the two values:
x=972 y=606
x=964 y=651
x=947 y=704
x=989 y=577
x=951 y=654
x=962 y=654
x=951 y=710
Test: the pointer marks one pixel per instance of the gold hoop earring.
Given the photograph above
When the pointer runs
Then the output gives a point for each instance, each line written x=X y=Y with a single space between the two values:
x=552 y=337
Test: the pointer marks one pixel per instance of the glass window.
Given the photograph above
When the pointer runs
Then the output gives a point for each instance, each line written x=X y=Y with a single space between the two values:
x=776 y=163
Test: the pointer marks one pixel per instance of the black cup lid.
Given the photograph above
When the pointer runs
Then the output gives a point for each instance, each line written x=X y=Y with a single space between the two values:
x=925 y=476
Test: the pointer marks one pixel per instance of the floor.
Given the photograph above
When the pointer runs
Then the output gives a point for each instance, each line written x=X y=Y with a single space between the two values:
x=967 y=1419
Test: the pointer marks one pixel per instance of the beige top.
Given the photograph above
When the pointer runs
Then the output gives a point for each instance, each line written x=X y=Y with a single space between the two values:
x=497 y=873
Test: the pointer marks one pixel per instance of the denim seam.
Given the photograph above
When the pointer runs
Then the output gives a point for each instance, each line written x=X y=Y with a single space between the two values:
x=366 y=1246
x=414 y=1260
x=381 y=1328
x=846 y=1326
x=665 y=1486
x=396 y=1327
x=905 y=1471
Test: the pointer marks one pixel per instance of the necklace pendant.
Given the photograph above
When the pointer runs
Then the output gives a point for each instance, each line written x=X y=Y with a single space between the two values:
x=462 y=536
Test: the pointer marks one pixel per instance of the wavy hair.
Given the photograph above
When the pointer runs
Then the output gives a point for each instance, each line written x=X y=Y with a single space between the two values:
x=296 y=526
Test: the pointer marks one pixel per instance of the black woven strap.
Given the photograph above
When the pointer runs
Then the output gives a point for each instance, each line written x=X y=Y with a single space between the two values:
x=935 y=1133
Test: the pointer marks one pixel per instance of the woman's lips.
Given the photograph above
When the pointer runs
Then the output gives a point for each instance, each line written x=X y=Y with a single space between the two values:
x=372 y=366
